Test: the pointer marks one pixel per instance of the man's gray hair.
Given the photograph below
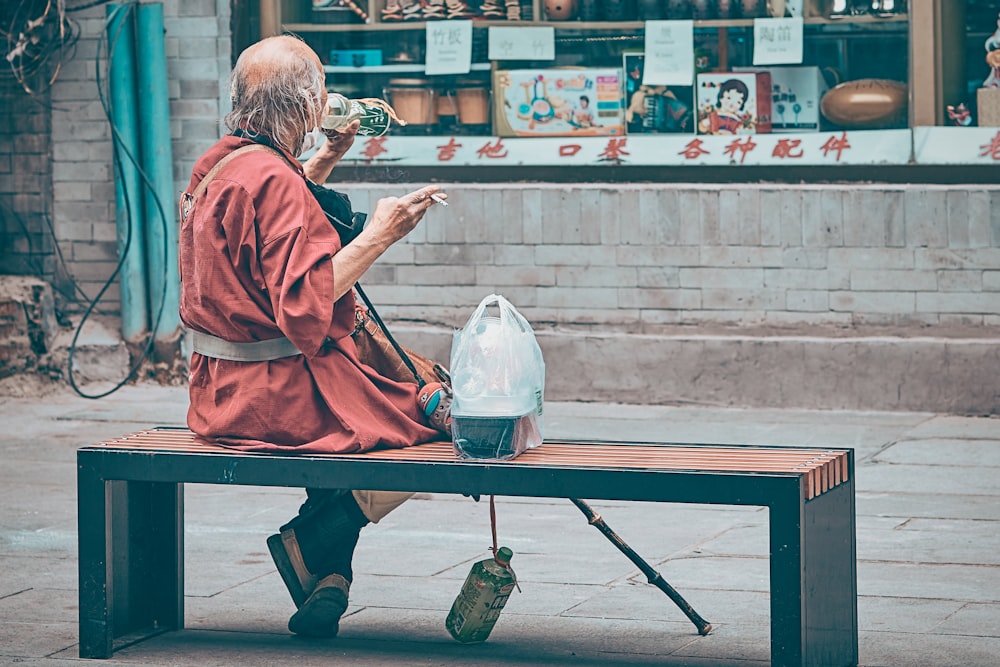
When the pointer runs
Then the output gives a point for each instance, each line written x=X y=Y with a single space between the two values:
x=276 y=91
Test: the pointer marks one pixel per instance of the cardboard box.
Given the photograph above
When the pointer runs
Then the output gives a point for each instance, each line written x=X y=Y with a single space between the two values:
x=655 y=109
x=795 y=96
x=583 y=102
x=988 y=107
x=734 y=103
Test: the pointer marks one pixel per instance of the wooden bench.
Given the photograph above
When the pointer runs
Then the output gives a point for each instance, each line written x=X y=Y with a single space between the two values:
x=131 y=518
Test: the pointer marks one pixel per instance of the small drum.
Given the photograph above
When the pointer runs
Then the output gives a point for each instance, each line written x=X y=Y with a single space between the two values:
x=473 y=104
x=447 y=109
x=415 y=102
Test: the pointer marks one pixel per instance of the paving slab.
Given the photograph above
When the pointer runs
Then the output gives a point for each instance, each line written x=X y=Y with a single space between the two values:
x=978 y=452
x=906 y=615
x=892 y=649
x=942 y=506
x=966 y=583
x=948 y=426
x=954 y=541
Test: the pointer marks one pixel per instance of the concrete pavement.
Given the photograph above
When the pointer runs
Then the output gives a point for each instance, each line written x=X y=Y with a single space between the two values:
x=928 y=551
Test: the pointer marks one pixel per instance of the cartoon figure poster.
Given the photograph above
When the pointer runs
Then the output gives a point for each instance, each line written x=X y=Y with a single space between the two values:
x=734 y=103
x=558 y=103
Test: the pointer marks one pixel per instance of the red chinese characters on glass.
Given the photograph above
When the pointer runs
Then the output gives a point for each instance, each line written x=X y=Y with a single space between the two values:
x=497 y=150
x=787 y=148
x=447 y=152
x=694 y=150
x=614 y=150
x=740 y=146
x=374 y=147
x=992 y=149
x=569 y=150
x=834 y=144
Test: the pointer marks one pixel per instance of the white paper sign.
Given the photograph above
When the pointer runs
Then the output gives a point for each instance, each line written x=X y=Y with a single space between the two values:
x=449 y=47
x=669 y=50
x=777 y=41
x=522 y=43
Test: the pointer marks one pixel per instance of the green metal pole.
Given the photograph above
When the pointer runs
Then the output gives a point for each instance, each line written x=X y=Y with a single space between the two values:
x=160 y=205
x=121 y=94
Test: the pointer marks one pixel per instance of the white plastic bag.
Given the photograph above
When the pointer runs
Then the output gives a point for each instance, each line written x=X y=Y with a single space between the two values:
x=498 y=377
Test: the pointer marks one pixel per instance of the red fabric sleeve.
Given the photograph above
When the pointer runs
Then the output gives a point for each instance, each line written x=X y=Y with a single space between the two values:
x=296 y=247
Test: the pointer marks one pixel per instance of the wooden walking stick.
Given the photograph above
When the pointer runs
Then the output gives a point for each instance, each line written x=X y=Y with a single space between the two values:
x=704 y=627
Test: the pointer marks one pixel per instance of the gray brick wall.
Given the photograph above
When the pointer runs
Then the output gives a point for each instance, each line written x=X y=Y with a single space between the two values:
x=25 y=181
x=83 y=203
x=641 y=257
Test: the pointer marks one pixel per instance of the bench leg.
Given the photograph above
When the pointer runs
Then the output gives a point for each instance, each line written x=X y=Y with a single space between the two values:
x=131 y=561
x=814 y=583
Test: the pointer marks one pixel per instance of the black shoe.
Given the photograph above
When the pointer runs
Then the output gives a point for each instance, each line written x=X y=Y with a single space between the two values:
x=325 y=535
x=287 y=557
x=320 y=615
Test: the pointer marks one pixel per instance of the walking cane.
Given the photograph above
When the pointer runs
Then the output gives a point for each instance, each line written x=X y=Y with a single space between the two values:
x=704 y=627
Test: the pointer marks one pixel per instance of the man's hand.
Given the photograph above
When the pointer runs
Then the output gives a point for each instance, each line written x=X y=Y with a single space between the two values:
x=392 y=219
x=317 y=168
x=395 y=217
x=338 y=142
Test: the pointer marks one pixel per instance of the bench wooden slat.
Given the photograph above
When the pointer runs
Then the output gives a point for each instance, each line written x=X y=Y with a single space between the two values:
x=822 y=470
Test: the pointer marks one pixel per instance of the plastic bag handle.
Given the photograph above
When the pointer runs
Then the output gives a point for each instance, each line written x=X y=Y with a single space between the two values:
x=507 y=312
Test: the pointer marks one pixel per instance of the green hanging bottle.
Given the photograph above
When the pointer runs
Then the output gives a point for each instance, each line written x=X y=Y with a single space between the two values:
x=484 y=594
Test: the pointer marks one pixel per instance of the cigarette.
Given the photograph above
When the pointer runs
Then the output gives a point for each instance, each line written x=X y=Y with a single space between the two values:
x=439 y=200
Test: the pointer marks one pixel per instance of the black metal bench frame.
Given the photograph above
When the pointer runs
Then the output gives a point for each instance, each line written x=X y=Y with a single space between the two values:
x=131 y=529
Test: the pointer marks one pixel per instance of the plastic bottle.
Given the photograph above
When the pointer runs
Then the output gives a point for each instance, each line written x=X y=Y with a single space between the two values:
x=483 y=596
x=375 y=115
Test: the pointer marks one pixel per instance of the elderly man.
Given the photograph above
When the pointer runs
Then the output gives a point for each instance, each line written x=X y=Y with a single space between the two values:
x=266 y=290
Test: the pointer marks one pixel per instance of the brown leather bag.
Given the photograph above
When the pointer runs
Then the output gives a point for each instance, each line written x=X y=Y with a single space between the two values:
x=378 y=349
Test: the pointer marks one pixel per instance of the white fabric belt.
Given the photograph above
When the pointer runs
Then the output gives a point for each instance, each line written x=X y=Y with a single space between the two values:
x=261 y=350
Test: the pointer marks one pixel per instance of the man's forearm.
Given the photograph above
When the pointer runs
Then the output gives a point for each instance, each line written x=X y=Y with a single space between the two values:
x=353 y=260
x=319 y=167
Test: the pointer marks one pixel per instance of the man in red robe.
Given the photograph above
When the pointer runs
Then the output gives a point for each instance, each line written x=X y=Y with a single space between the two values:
x=262 y=267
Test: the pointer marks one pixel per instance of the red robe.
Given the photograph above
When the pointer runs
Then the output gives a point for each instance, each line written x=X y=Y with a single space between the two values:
x=255 y=264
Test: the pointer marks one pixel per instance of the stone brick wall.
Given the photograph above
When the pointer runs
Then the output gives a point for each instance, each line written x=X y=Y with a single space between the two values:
x=644 y=257
x=25 y=181
x=83 y=205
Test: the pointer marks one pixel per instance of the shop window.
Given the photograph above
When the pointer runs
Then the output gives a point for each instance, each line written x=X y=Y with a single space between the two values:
x=866 y=66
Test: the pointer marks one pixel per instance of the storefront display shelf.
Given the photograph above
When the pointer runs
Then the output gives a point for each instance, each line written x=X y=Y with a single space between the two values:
x=415 y=68
x=851 y=48
x=377 y=26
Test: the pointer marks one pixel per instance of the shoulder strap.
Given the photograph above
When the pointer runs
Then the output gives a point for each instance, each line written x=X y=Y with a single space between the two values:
x=188 y=198
x=392 y=341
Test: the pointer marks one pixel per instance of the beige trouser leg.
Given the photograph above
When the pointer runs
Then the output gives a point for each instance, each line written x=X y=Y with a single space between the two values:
x=376 y=504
